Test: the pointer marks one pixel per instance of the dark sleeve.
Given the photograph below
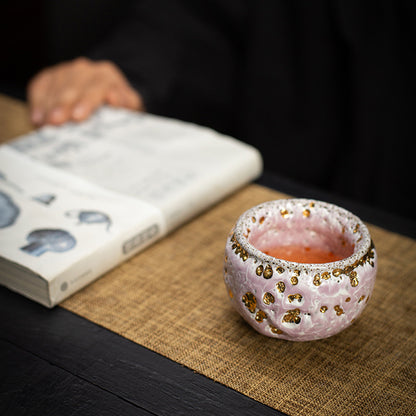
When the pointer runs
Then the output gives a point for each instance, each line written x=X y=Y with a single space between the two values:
x=182 y=56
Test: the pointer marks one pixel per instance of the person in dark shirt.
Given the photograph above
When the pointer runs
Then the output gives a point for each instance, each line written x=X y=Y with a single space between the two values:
x=325 y=89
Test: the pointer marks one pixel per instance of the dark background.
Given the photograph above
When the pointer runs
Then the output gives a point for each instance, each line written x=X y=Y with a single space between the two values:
x=39 y=33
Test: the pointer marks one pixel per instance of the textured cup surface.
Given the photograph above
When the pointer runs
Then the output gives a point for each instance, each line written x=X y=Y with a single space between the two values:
x=293 y=300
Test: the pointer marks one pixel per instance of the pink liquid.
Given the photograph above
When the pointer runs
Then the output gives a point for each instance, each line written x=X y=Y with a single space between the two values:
x=301 y=254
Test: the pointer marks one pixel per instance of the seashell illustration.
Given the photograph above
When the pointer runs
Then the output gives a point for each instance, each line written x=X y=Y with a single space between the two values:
x=90 y=217
x=9 y=211
x=41 y=241
x=44 y=198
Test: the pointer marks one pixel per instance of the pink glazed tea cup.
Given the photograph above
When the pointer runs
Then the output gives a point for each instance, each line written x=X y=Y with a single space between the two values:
x=295 y=300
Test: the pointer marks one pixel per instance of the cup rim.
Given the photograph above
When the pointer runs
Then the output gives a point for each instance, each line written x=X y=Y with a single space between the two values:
x=361 y=246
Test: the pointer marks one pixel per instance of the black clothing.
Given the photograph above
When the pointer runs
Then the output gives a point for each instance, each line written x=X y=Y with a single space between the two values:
x=325 y=89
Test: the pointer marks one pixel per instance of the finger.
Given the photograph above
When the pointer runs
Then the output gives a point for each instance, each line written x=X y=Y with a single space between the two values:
x=105 y=89
x=120 y=93
x=58 y=115
x=91 y=98
x=133 y=100
x=114 y=97
x=64 y=92
x=67 y=85
x=61 y=107
x=83 y=109
x=100 y=89
x=124 y=96
x=36 y=91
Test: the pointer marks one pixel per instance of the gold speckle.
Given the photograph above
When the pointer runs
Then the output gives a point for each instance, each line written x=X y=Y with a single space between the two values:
x=360 y=262
x=230 y=293
x=296 y=296
x=280 y=286
x=361 y=298
x=354 y=279
x=369 y=256
x=253 y=219
x=338 y=310
x=311 y=204
x=275 y=330
x=280 y=270
x=356 y=228
x=261 y=221
x=250 y=301
x=284 y=213
x=348 y=299
x=268 y=272
x=268 y=298
x=306 y=212
x=259 y=270
x=260 y=316
x=323 y=309
x=292 y=316
x=317 y=280
x=294 y=280
x=337 y=272
x=348 y=269
x=326 y=275
x=236 y=246
x=296 y=272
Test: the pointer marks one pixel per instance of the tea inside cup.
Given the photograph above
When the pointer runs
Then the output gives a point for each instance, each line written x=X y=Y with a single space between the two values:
x=302 y=238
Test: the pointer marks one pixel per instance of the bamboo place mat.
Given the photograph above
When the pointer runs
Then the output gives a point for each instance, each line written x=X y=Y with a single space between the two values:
x=172 y=299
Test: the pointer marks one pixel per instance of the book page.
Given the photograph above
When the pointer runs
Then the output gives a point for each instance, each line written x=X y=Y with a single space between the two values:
x=50 y=220
x=178 y=167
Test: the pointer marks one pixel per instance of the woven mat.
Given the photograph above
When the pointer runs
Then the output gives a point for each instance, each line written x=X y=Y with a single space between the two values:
x=171 y=299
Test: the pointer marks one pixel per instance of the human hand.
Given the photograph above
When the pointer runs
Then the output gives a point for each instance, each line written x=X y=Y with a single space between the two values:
x=74 y=90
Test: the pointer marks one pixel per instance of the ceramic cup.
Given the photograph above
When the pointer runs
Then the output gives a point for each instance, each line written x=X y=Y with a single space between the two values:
x=299 y=269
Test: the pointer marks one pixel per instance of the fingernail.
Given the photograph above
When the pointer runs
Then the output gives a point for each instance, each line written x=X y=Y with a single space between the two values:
x=79 y=112
x=36 y=116
x=56 y=115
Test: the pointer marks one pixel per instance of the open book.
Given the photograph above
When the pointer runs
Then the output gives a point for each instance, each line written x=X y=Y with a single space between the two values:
x=79 y=199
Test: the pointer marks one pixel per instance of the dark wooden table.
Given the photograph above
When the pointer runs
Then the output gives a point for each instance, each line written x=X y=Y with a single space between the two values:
x=53 y=362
